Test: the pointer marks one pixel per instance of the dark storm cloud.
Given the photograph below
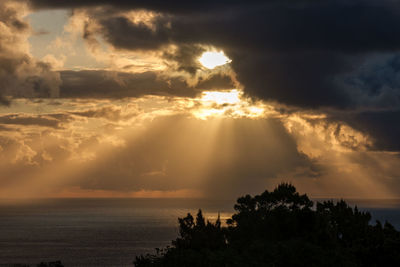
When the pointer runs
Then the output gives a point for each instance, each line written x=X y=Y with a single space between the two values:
x=127 y=35
x=4 y=101
x=375 y=85
x=310 y=54
x=186 y=57
x=216 y=82
x=176 y=6
x=296 y=52
x=382 y=126
x=105 y=84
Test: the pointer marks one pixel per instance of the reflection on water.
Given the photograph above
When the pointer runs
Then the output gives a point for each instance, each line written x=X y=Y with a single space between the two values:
x=110 y=232
x=91 y=232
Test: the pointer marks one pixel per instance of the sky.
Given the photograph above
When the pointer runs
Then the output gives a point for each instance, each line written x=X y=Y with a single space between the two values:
x=211 y=99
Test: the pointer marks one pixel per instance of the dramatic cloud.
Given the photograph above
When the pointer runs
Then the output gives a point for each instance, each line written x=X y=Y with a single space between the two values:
x=383 y=126
x=178 y=153
x=268 y=41
x=294 y=52
x=216 y=82
x=101 y=84
x=107 y=84
x=20 y=74
x=160 y=144
x=39 y=120
x=311 y=95
x=110 y=113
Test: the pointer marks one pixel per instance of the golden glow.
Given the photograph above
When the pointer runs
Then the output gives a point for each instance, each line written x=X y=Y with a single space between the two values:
x=55 y=161
x=227 y=104
x=210 y=60
x=146 y=146
x=77 y=192
x=224 y=97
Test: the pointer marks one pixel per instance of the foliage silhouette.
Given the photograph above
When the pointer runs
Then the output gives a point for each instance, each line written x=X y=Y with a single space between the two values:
x=43 y=264
x=50 y=264
x=282 y=228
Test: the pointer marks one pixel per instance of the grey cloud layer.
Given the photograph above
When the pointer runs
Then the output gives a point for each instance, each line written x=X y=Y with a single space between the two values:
x=51 y=120
x=108 y=84
x=20 y=74
x=313 y=54
x=296 y=54
x=383 y=126
x=303 y=53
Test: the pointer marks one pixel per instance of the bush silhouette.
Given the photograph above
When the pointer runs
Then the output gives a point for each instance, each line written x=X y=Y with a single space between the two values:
x=282 y=228
x=42 y=264
x=50 y=264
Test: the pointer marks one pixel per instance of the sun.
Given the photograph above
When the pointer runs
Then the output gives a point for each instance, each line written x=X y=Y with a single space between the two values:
x=210 y=60
x=220 y=98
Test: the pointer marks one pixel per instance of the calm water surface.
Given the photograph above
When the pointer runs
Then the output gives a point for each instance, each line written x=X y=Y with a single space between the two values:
x=111 y=232
x=92 y=232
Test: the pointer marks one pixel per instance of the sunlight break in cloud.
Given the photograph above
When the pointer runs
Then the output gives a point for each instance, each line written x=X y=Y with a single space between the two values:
x=229 y=103
x=155 y=97
x=210 y=60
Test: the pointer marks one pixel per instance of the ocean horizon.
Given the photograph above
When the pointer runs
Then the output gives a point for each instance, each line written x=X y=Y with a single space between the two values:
x=111 y=232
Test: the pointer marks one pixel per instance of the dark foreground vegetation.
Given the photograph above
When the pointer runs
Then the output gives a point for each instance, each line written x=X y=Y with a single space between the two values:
x=282 y=228
x=42 y=264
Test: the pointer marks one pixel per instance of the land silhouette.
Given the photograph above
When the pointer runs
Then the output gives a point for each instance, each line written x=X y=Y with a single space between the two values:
x=42 y=264
x=281 y=228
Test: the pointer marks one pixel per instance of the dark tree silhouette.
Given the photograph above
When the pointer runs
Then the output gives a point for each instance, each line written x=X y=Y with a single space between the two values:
x=43 y=264
x=282 y=228
x=50 y=264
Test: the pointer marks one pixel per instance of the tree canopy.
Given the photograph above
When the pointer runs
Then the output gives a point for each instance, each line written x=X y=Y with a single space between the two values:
x=281 y=228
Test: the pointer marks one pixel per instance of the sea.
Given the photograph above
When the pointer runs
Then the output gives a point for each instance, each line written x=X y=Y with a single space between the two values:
x=112 y=232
